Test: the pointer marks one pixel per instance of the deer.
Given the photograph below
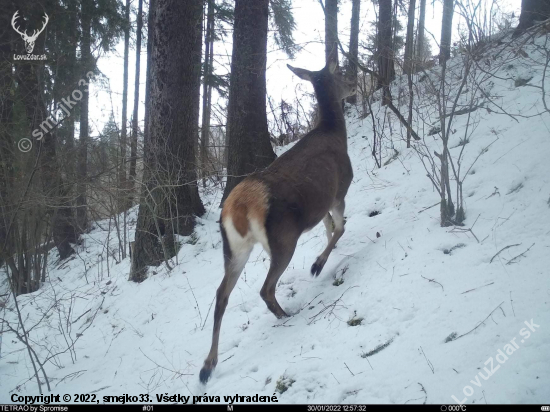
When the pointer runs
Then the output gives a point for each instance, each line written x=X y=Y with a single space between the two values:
x=29 y=40
x=292 y=195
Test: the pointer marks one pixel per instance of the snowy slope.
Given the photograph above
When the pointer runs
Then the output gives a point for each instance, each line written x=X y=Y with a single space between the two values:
x=405 y=285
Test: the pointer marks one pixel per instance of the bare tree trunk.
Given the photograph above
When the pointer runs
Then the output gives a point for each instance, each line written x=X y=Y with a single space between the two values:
x=82 y=164
x=386 y=68
x=170 y=198
x=134 y=137
x=447 y=209
x=55 y=191
x=30 y=90
x=531 y=11
x=66 y=79
x=420 y=37
x=6 y=145
x=249 y=147
x=446 y=31
x=122 y=199
x=409 y=42
x=206 y=90
x=408 y=66
x=211 y=65
x=331 y=26
x=147 y=114
x=354 y=45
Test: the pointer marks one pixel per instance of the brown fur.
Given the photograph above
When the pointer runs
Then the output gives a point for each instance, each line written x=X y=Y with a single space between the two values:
x=248 y=200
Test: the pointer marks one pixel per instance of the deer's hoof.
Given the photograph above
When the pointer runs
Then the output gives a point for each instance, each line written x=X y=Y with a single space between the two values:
x=207 y=369
x=282 y=315
x=317 y=267
x=204 y=375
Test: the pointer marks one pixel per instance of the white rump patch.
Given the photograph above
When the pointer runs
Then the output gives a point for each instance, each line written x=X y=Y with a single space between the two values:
x=258 y=231
x=241 y=246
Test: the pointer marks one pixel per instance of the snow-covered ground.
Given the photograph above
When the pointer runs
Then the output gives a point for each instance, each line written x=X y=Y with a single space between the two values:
x=402 y=294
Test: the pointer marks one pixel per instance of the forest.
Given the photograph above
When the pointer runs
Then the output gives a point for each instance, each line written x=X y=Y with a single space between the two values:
x=165 y=164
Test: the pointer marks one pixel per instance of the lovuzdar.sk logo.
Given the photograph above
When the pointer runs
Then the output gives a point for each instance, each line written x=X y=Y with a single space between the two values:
x=28 y=39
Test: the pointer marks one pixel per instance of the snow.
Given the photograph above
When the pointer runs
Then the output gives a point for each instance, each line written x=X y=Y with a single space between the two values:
x=151 y=338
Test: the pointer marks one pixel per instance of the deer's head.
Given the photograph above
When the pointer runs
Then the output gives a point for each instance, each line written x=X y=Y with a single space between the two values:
x=29 y=40
x=329 y=79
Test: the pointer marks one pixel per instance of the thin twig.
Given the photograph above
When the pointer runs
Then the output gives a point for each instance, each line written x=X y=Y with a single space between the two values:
x=502 y=250
x=77 y=319
x=353 y=374
x=312 y=300
x=369 y=363
x=193 y=293
x=480 y=323
x=424 y=390
x=226 y=359
x=210 y=307
x=477 y=288
x=283 y=324
x=332 y=306
x=429 y=207
x=521 y=254
x=162 y=367
x=428 y=361
x=250 y=377
x=434 y=281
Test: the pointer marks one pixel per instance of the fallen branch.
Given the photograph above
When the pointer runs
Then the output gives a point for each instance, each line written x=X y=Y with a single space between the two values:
x=77 y=319
x=466 y=110
x=330 y=308
x=401 y=118
x=464 y=230
x=521 y=254
x=502 y=250
x=424 y=390
x=284 y=325
x=377 y=349
x=162 y=367
x=307 y=305
x=429 y=207
x=488 y=284
x=226 y=359
x=428 y=361
x=71 y=376
x=480 y=323
x=193 y=293
x=353 y=374
x=210 y=307
x=434 y=281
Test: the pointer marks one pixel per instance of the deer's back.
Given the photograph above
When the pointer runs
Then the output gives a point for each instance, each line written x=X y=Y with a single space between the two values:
x=306 y=181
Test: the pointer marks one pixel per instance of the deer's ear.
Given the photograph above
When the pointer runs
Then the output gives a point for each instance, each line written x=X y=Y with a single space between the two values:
x=332 y=61
x=301 y=73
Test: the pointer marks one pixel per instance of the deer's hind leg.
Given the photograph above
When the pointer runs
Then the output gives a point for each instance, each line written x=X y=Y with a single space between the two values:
x=234 y=262
x=338 y=219
x=282 y=244
x=329 y=226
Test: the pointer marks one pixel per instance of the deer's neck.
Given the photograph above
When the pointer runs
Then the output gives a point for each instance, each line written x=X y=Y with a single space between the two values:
x=330 y=114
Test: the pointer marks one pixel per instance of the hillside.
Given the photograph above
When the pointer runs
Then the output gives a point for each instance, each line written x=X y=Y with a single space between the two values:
x=411 y=316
